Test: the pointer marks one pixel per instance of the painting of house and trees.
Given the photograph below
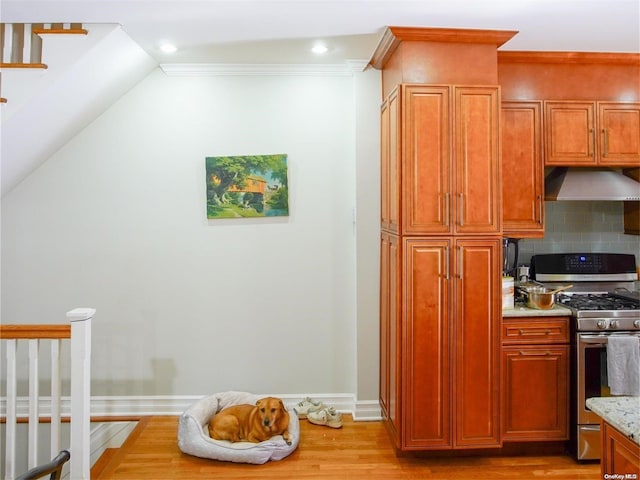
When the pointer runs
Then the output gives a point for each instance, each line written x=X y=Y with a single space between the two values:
x=247 y=186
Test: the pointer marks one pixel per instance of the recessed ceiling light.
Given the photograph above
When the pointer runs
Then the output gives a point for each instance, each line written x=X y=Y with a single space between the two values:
x=168 y=48
x=319 y=49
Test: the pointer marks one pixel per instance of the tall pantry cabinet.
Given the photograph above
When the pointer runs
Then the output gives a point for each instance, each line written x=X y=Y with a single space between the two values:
x=440 y=240
x=440 y=266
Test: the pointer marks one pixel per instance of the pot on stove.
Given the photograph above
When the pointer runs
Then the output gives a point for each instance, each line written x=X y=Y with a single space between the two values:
x=542 y=298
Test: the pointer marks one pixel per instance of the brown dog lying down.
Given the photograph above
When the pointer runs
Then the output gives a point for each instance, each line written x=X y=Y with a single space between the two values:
x=251 y=423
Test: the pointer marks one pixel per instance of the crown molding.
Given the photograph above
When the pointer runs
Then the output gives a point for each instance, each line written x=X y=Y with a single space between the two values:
x=241 y=69
x=603 y=58
x=394 y=36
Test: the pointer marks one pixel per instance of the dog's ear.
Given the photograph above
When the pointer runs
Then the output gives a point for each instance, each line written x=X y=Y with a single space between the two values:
x=282 y=406
x=258 y=402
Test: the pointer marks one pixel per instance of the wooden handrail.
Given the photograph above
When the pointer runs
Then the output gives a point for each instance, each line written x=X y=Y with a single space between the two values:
x=34 y=331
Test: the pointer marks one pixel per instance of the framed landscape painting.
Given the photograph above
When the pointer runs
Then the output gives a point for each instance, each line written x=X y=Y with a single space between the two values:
x=247 y=186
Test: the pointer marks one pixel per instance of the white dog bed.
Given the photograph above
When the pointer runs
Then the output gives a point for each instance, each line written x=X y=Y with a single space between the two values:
x=194 y=439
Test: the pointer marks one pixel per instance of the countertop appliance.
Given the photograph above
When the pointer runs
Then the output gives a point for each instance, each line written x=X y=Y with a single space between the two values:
x=603 y=304
x=510 y=250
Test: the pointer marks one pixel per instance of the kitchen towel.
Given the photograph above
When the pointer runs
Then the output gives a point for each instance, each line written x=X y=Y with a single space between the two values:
x=623 y=364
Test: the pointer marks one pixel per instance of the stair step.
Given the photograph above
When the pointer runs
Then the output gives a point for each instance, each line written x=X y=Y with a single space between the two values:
x=105 y=459
x=24 y=65
x=60 y=31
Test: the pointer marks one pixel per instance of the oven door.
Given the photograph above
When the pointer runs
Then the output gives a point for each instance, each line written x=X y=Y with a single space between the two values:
x=591 y=371
x=591 y=381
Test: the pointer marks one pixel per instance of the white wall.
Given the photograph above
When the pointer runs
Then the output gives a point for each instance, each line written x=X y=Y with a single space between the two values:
x=116 y=220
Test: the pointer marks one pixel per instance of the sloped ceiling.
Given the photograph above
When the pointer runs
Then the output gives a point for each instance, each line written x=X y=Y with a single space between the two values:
x=267 y=32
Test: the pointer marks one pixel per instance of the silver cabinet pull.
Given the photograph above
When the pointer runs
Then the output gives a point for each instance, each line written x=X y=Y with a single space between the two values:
x=592 y=141
x=447 y=263
x=462 y=210
x=537 y=333
x=540 y=209
x=461 y=266
x=446 y=208
x=605 y=146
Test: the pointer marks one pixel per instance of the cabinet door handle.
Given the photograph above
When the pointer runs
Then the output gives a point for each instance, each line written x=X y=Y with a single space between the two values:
x=592 y=141
x=534 y=354
x=461 y=266
x=540 y=209
x=462 y=210
x=534 y=333
x=447 y=206
x=447 y=263
x=605 y=146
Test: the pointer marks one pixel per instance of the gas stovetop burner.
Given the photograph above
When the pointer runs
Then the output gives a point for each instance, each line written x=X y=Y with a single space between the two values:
x=596 y=301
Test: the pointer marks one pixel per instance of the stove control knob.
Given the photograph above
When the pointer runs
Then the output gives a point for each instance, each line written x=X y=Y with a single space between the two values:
x=613 y=324
x=636 y=324
x=602 y=324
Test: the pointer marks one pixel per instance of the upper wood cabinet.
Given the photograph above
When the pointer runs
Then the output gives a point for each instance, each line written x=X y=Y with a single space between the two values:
x=522 y=170
x=589 y=133
x=440 y=160
x=389 y=175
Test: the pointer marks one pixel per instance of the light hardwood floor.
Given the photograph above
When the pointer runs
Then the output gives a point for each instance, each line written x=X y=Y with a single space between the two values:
x=359 y=450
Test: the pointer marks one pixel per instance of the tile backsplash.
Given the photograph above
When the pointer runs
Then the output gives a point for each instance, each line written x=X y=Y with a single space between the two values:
x=586 y=226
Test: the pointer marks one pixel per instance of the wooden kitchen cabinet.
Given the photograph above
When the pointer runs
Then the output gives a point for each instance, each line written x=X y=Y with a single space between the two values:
x=390 y=331
x=590 y=133
x=389 y=174
x=440 y=285
x=440 y=161
x=522 y=169
x=450 y=355
x=535 y=383
x=620 y=456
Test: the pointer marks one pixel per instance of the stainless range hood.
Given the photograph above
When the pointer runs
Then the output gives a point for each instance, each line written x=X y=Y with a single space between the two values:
x=563 y=183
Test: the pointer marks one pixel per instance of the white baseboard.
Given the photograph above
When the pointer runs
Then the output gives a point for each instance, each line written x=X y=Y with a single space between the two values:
x=131 y=406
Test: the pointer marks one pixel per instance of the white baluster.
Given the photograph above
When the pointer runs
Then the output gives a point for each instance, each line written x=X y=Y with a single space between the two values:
x=56 y=389
x=12 y=387
x=34 y=399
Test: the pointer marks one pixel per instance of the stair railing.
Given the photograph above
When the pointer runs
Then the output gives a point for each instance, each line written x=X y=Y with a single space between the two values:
x=78 y=332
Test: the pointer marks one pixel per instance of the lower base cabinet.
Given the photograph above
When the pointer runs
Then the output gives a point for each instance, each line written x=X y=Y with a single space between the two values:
x=440 y=342
x=620 y=456
x=535 y=386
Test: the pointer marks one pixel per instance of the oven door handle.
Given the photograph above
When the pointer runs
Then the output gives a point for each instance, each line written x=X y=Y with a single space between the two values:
x=600 y=339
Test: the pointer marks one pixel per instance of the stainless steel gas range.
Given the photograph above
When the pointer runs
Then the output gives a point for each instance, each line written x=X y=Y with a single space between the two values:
x=603 y=304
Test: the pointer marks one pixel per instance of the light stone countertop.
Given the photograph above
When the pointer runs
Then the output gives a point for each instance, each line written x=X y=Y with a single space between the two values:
x=622 y=413
x=522 y=311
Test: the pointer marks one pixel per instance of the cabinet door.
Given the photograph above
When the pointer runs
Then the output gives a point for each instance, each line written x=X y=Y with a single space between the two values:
x=620 y=455
x=426 y=160
x=390 y=333
x=477 y=196
x=384 y=166
x=619 y=129
x=389 y=173
x=476 y=380
x=535 y=392
x=522 y=170
x=570 y=135
x=426 y=353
